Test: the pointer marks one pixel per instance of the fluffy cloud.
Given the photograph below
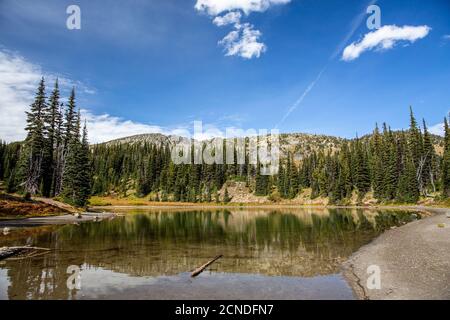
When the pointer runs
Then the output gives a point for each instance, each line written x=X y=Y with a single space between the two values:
x=243 y=42
x=216 y=7
x=18 y=82
x=383 y=39
x=19 y=79
x=437 y=129
x=106 y=127
x=232 y=17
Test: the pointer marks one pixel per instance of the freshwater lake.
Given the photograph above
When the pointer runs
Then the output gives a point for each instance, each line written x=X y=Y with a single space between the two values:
x=281 y=253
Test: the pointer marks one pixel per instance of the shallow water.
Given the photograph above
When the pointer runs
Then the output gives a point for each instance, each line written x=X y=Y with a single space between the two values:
x=147 y=254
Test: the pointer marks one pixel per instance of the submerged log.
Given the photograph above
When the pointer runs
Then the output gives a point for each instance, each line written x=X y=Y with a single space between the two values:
x=200 y=269
x=6 y=252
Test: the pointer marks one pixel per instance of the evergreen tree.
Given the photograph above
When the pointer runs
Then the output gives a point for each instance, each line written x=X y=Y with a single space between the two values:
x=415 y=141
x=226 y=196
x=51 y=123
x=362 y=174
x=293 y=179
x=389 y=160
x=377 y=163
x=32 y=155
x=427 y=163
x=408 y=190
x=70 y=174
x=84 y=171
x=445 y=176
x=261 y=182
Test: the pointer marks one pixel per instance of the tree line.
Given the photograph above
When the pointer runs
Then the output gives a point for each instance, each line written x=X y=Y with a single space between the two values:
x=398 y=166
x=54 y=160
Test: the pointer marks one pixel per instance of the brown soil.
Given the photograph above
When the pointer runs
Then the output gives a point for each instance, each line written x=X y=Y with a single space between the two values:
x=14 y=206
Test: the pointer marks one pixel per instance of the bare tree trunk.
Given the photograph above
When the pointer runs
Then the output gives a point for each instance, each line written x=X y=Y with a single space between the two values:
x=34 y=173
x=420 y=166
x=432 y=180
x=59 y=170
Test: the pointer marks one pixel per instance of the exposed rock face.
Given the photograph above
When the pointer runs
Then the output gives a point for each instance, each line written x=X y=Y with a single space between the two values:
x=240 y=193
x=153 y=138
x=299 y=144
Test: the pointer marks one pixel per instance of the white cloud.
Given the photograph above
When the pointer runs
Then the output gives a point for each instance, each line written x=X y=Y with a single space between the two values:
x=243 y=42
x=105 y=127
x=18 y=82
x=384 y=38
x=19 y=79
x=232 y=17
x=216 y=7
x=437 y=129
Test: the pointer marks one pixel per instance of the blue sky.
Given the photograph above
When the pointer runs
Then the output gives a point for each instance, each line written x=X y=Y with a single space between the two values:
x=157 y=66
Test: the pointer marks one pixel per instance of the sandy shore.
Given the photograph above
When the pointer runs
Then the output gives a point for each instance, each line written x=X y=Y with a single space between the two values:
x=414 y=261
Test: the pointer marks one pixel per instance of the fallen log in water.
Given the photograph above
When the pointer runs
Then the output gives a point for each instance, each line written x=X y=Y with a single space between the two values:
x=6 y=252
x=200 y=269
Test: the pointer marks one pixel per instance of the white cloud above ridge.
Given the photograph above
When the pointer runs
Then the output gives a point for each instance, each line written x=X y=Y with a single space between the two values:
x=18 y=82
x=19 y=79
x=437 y=129
x=384 y=38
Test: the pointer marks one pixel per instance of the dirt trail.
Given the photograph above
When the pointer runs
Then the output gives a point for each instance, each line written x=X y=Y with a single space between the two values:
x=62 y=205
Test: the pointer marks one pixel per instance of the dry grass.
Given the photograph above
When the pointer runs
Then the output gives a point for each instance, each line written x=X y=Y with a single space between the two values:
x=17 y=207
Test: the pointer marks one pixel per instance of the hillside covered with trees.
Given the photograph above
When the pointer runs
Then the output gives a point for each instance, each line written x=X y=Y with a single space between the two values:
x=56 y=160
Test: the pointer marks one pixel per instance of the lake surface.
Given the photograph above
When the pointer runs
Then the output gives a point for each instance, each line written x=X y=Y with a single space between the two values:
x=149 y=253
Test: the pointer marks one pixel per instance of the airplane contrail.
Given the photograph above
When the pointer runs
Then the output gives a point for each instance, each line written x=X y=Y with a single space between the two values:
x=355 y=25
x=302 y=97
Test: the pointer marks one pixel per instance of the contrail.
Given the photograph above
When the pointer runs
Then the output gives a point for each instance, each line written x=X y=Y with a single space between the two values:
x=355 y=25
x=302 y=97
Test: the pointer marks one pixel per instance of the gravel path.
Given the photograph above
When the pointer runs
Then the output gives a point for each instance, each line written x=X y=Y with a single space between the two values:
x=414 y=261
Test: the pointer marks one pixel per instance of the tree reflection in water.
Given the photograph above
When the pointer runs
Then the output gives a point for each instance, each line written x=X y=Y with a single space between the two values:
x=289 y=242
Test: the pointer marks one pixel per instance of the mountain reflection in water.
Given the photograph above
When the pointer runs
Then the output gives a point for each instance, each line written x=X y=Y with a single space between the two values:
x=166 y=244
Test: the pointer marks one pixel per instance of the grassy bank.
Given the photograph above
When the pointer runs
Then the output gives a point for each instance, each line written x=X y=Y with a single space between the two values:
x=97 y=201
